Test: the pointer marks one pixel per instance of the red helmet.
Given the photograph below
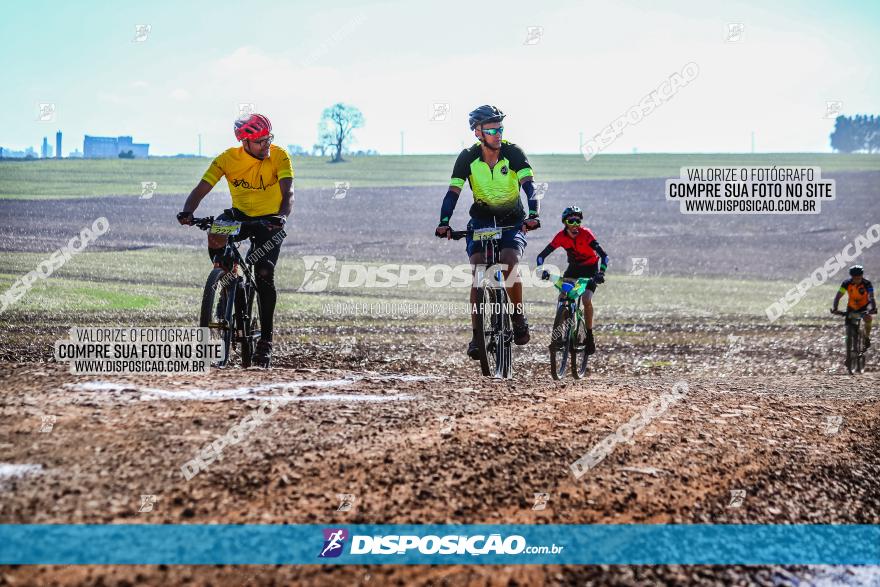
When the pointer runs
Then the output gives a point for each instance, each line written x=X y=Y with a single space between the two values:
x=252 y=126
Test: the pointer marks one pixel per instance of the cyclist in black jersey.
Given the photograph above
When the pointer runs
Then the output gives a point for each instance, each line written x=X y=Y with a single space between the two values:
x=495 y=170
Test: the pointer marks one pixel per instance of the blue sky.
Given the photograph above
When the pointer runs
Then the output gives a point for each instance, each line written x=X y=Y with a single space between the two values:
x=395 y=60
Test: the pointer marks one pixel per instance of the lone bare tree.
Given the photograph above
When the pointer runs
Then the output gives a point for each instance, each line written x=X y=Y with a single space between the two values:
x=336 y=127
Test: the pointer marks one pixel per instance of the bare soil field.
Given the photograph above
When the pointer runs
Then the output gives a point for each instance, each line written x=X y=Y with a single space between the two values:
x=403 y=423
x=630 y=217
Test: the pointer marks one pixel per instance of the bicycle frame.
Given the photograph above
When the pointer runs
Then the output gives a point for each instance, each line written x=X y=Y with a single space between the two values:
x=491 y=252
x=237 y=312
x=565 y=344
x=495 y=339
x=574 y=310
x=566 y=287
x=855 y=352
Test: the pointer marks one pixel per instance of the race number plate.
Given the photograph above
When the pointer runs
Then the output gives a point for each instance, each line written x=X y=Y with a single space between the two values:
x=487 y=234
x=226 y=228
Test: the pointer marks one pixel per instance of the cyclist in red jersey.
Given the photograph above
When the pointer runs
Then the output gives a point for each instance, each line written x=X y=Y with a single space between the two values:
x=586 y=258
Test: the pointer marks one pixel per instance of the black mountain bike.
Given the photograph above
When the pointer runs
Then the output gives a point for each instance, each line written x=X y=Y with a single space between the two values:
x=230 y=305
x=855 y=339
x=568 y=341
x=495 y=329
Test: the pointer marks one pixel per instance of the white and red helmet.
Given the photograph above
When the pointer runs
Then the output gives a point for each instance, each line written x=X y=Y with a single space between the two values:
x=252 y=126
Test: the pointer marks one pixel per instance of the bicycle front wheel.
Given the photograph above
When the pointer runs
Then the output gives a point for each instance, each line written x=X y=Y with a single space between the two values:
x=860 y=355
x=559 y=341
x=852 y=346
x=504 y=328
x=494 y=332
x=217 y=311
x=485 y=332
x=579 y=356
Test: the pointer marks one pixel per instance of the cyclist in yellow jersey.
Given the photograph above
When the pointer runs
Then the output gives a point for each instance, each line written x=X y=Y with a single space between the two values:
x=260 y=179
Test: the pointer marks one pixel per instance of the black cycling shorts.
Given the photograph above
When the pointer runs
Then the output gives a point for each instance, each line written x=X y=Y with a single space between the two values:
x=261 y=237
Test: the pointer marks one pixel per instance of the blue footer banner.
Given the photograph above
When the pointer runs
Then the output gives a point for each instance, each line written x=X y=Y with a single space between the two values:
x=409 y=544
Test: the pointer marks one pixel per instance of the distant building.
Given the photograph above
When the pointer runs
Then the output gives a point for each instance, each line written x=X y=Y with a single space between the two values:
x=28 y=153
x=75 y=154
x=58 y=145
x=112 y=147
x=44 y=150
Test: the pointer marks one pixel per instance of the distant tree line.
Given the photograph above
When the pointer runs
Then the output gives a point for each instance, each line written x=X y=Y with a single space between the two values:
x=853 y=134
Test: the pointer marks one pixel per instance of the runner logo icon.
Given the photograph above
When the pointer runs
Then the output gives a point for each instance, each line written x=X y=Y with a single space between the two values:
x=334 y=538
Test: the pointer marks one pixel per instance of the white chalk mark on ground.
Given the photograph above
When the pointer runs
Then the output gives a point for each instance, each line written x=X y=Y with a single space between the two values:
x=394 y=377
x=346 y=398
x=13 y=470
x=643 y=470
x=260 y=392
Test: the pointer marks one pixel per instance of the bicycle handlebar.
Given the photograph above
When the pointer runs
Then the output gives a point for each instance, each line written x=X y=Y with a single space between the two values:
x=848 y=312
x=203 y=223
x=460 y=234
x=206 y=222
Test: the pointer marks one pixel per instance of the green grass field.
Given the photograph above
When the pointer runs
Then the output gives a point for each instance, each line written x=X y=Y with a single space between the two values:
x=72 y=178
x=164 y=286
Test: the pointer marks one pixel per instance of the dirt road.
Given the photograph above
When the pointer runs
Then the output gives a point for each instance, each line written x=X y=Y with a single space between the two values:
x=403 y=424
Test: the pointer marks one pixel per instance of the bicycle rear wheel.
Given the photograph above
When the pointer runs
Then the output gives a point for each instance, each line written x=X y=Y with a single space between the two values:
x=504 y=330
x=217 y=311
x=860 y=355
x=579 y=356
x=559 y=345
x=485 y=331
x=852 y=335
x=495 y=333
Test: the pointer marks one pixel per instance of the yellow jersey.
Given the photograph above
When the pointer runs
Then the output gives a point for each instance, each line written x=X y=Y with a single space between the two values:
x=253 y=183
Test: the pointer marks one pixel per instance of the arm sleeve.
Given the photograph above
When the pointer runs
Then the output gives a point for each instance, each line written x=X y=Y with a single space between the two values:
x=534 y=204
x=461 y=171
x=448 y=206
x=554 y=244
x=285 y=167
x=837 y=297
x=544 y=253
x=603 y=256
x=215 y=170
x=594 y=244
